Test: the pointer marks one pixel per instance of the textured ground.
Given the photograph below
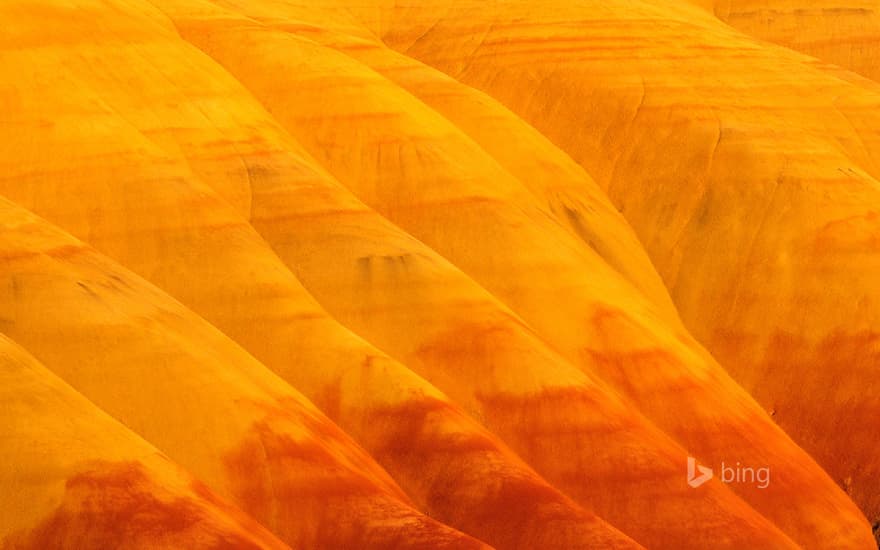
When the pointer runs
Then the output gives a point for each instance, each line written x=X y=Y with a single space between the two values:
x=343 y=274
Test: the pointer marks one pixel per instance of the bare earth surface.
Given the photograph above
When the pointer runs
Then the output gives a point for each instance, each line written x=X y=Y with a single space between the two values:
x=439 y=274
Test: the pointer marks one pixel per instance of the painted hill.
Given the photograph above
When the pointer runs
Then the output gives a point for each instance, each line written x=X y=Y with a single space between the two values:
x=440 y=224
x=840 y=32
x=167 y=375
x=427 y=152
x=76 y=478
x=758 y=204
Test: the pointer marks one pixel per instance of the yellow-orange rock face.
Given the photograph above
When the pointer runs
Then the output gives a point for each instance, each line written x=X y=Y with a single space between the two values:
x=168 y=375
x=489 y=242
x=843 y=32
x=734 y=179
x=73 y=477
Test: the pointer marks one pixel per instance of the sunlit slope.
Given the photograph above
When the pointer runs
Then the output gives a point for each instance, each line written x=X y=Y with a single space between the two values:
x=535 y=310
x=186 y=239
x=630 y=494
x=423 y=173
x=73 y=477
x=568 y=193
x=377 y=400
x=843 y=32
x=181 y=236
x=746 y=172
x=197 y=396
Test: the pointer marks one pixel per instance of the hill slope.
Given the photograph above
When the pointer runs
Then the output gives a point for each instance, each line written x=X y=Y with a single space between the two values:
x=489 y=242
x=843 y=32
x=421 y=172
x=72 y=475
x=747 y=172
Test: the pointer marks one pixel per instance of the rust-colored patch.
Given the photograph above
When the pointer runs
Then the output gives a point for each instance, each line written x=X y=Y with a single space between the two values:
x=822 y=395
x=571 y=418
x=271 y=466
x=257 y=531
x=523 y=513
x=117 y=505
x=463 y=476
x=410 y=430
x=311 y=496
